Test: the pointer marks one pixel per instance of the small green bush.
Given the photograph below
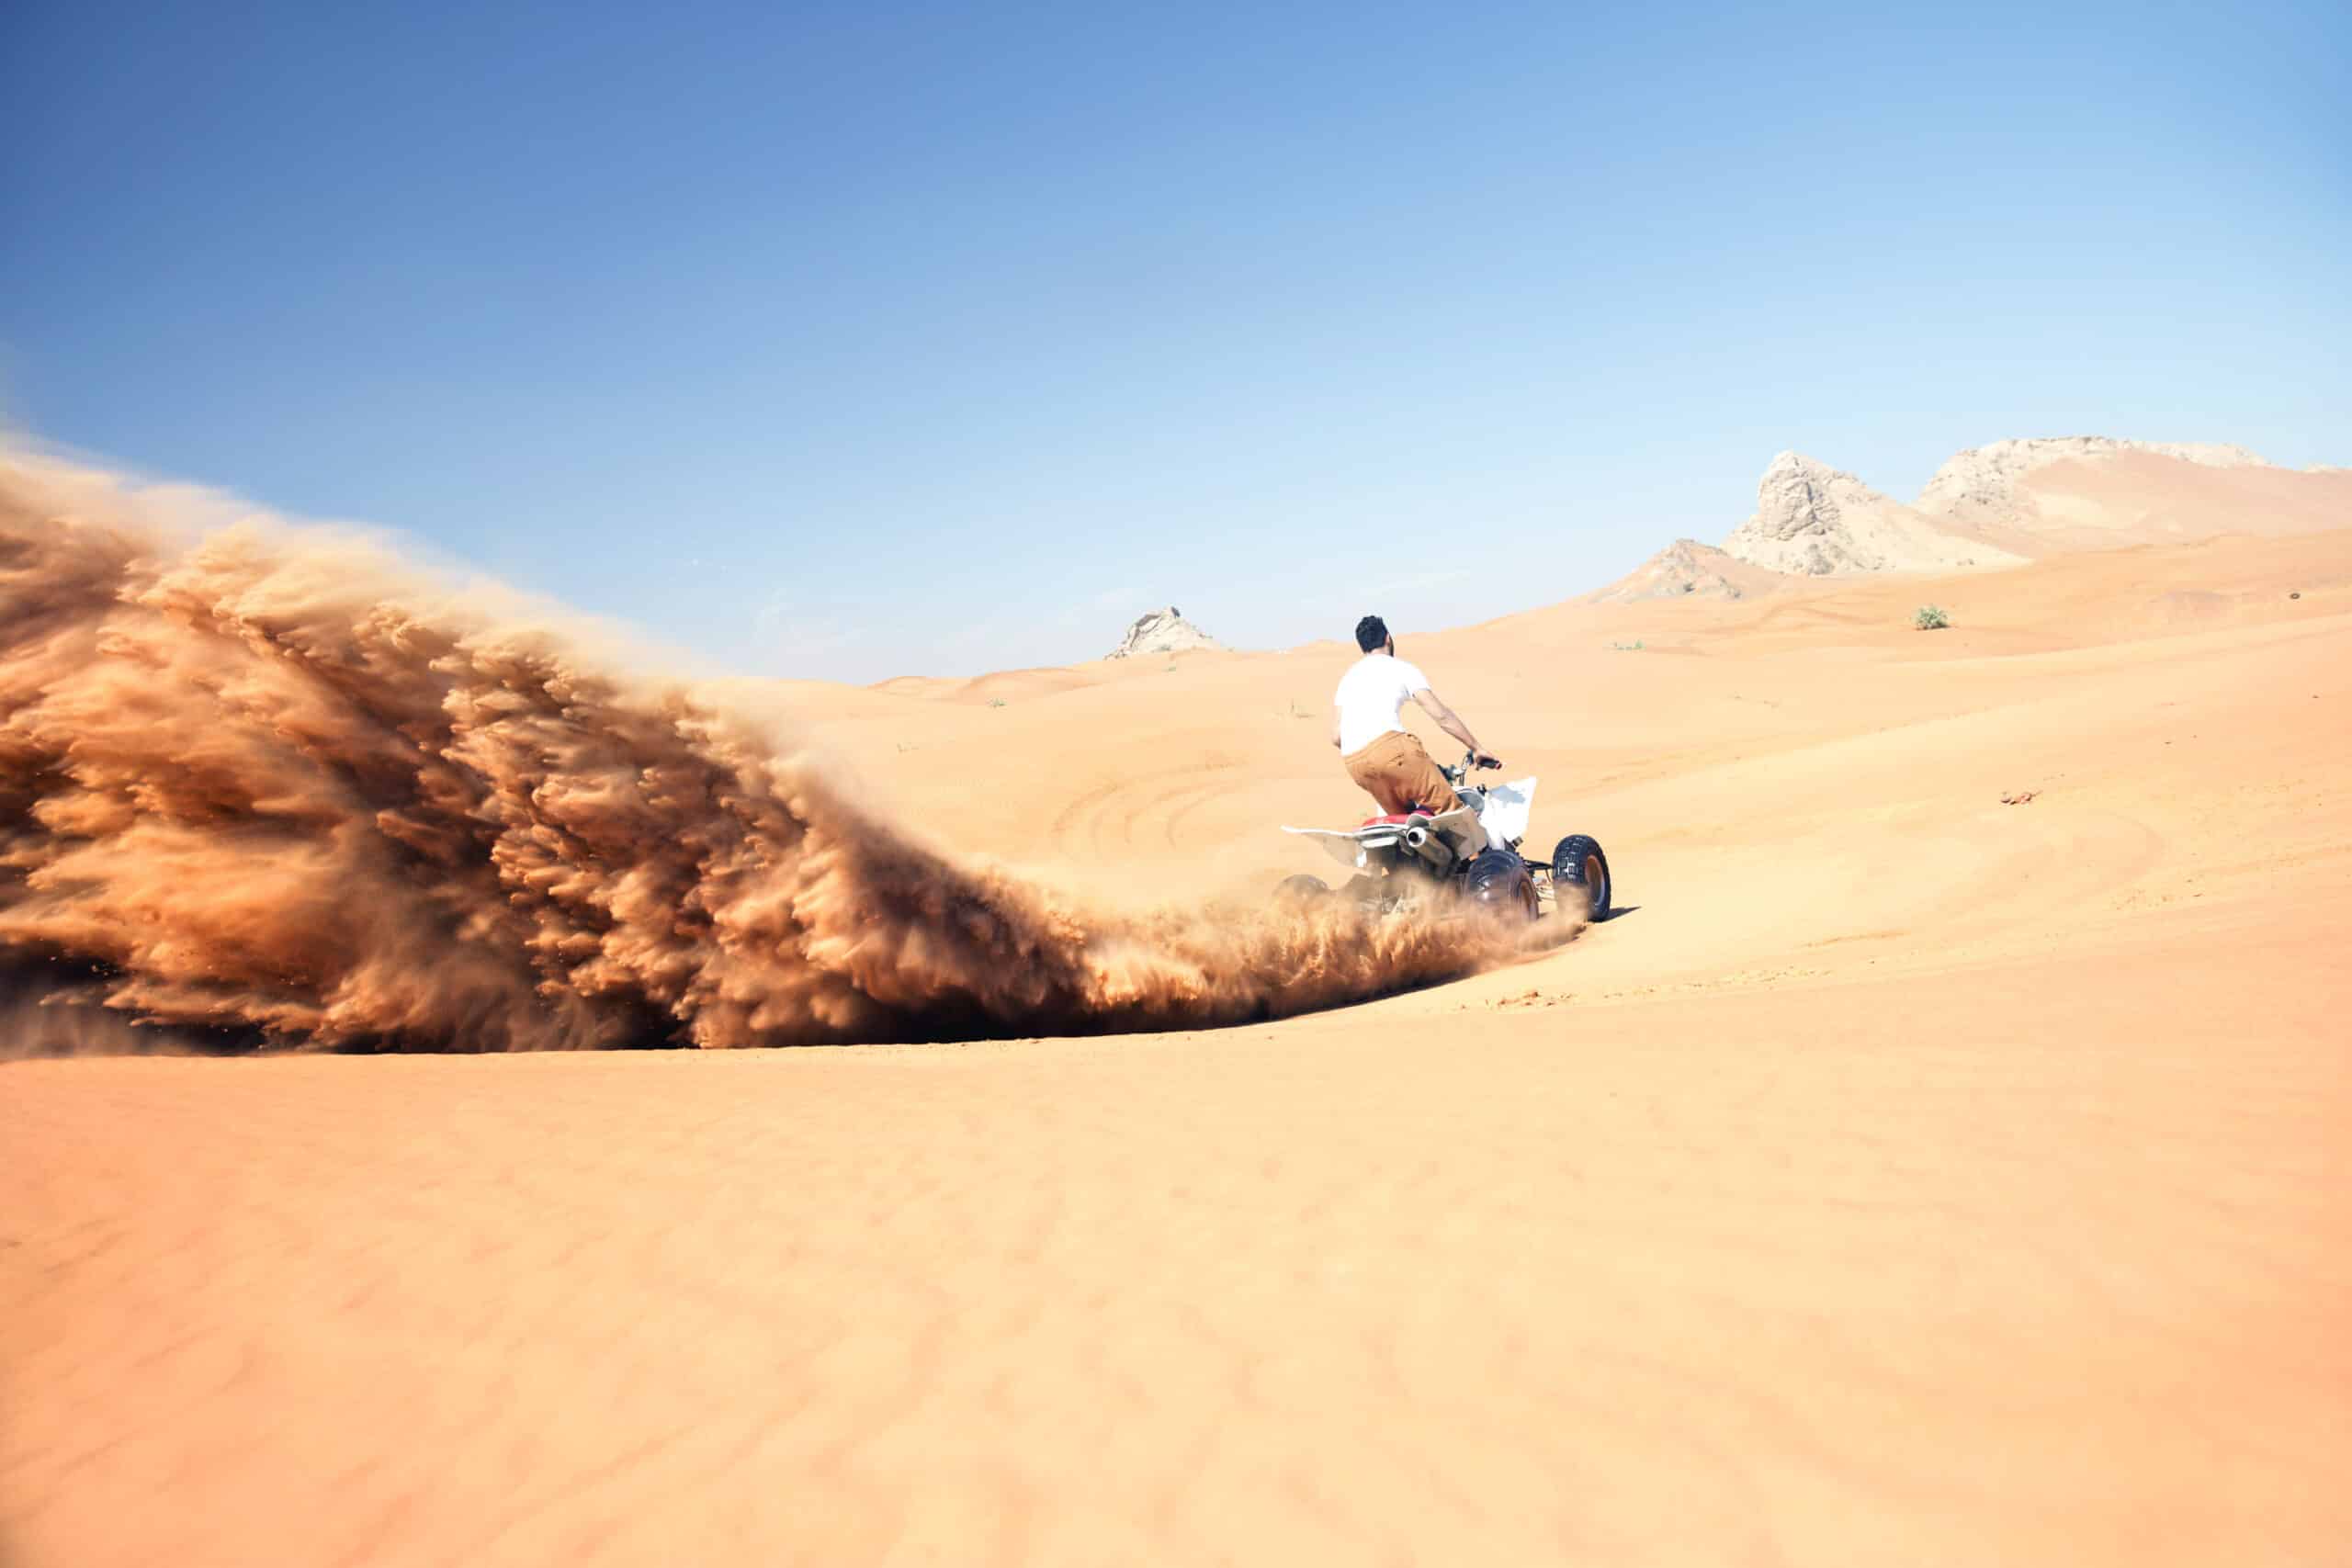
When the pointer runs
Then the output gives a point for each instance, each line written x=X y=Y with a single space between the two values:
x=1929 y=618
x=996 y=702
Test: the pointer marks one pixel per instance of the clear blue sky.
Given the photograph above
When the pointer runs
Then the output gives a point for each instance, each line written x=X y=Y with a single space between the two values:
x=854 y=340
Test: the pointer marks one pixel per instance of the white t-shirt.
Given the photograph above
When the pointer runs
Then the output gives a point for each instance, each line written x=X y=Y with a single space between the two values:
x=1371 y=699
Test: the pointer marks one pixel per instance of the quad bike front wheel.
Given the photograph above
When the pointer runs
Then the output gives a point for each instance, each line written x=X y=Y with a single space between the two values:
x=1579 y=864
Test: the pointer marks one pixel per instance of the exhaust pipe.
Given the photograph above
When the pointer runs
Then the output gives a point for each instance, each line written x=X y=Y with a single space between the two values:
x=1416 y=836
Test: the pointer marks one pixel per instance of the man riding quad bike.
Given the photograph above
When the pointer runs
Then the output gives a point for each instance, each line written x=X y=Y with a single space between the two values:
x=1436 y=833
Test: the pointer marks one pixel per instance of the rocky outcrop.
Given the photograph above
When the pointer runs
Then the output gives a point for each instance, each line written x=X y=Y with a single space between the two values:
x=1997 y=505
x=1688 y=570
x=1162 y=631
x=1981 y=484
x=1818 y=521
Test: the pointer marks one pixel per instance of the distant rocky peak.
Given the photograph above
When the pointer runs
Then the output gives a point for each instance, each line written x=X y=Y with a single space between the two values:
x=1162 y=631
x=1818 y=521
x=1799 y=498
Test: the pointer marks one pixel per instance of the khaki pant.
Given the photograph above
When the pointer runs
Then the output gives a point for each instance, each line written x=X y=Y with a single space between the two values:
x=1398 y=773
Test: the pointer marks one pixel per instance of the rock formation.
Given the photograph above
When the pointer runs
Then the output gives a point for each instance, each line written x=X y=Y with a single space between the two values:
x=1997 y=505
x=1817 y=521
x=1162 y=631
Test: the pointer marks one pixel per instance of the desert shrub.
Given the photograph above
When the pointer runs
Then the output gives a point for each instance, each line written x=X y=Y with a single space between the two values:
x=1929 y=618
x=996 y=702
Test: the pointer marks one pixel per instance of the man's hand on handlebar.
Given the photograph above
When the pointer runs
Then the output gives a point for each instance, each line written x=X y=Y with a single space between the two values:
x=1480 y=760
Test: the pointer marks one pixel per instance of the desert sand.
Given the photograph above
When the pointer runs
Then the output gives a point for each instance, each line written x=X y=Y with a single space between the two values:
x=1938 y=1160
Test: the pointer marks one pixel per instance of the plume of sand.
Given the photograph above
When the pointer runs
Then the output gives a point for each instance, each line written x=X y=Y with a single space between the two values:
x=264 y=782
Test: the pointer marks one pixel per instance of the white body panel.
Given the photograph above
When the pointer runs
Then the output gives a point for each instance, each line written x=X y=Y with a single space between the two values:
x=1504 y=811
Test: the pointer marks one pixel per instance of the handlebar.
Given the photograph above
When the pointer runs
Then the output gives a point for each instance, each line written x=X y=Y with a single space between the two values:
x=1471 y=761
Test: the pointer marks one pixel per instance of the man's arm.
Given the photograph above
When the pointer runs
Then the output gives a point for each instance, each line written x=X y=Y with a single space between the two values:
x=1447 y=719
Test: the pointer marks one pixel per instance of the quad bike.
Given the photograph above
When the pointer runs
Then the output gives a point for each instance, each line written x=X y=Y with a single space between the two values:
x=1471 y=853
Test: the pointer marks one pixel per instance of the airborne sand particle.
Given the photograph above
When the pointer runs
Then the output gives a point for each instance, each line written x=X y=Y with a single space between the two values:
x=265 y=784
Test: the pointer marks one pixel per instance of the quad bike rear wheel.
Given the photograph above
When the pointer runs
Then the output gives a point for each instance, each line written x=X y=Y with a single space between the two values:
x=1499 y=881
x=1298 y=892
x=1579 y=864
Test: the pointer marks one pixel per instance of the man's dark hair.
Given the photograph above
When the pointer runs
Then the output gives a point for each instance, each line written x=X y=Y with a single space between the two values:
x=1370 y=633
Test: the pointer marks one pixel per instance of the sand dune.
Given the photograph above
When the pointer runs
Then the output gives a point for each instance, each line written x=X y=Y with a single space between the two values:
x=2041 y=497
x=2141 y=498
x=1905 y=1175
x=1688 y=569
